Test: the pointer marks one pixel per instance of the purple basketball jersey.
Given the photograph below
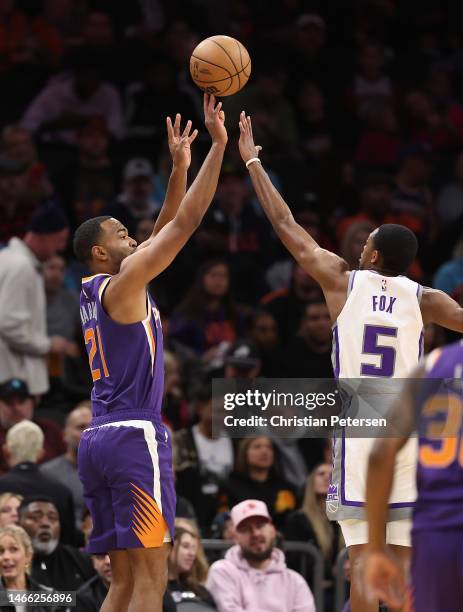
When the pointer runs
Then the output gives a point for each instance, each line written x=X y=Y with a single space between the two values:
x=440 y=461
x=126 y=360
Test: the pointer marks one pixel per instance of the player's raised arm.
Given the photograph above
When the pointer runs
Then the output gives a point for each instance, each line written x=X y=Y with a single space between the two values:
x=324 y=266
x=438 y=307
x=141 y=267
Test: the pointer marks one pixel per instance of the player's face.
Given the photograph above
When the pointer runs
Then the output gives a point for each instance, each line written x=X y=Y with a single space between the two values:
x=255 y=536
x=367 y=258
x=117 y=242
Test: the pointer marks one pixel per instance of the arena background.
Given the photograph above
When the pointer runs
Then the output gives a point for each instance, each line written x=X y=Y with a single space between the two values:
x=358 y=108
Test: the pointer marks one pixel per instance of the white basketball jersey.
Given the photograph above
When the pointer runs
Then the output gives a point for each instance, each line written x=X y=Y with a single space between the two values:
x=379 y=332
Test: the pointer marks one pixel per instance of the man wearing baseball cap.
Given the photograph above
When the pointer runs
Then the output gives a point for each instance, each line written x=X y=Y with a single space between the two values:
x=253 y=575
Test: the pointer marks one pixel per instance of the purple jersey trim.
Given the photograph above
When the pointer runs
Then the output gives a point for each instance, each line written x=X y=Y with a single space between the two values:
x=350 y=285
x=419 y=292
x=335 y=352
x=421 y=345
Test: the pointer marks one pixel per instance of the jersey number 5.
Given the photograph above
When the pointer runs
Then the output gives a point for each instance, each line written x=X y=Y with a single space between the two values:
x=95 y=345
x=372 y=347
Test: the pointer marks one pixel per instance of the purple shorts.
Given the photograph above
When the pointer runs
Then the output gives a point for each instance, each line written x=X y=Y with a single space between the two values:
x=437 y=571
x=126 y=472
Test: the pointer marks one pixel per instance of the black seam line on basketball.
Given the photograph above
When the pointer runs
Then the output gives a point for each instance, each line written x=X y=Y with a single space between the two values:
x=230 y=58
x=241 y=62
x=212 y=64
x=224 y=79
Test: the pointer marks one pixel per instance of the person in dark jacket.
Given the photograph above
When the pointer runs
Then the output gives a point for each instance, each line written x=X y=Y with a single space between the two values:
x=91 y=595
x=56 y=565
x=23 y=449
x=15 y=559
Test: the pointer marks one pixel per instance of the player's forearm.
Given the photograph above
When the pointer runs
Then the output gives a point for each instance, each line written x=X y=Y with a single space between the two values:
x=199 y=196
x=176 y=189
x=379 y=486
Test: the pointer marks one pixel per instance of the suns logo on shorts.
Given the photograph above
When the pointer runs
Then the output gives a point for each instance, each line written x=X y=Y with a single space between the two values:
x=332 y=498
x=147 y=523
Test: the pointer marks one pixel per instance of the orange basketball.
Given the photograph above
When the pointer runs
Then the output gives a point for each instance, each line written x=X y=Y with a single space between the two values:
x=220 y=65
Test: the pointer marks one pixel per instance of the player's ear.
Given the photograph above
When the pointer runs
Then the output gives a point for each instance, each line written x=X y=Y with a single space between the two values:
x=374 y=256
x=99 y=253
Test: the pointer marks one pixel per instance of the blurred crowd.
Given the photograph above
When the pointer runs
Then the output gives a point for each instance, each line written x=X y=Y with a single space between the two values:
x=359 y=109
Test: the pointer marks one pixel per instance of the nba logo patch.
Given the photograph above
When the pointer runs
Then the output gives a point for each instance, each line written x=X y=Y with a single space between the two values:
x=332 y=498
x=384 y=284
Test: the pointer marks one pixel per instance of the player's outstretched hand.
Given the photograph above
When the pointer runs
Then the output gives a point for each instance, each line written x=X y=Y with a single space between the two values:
x=179 y=144
x=383 y=579
x=246 y=144
x=214 y=118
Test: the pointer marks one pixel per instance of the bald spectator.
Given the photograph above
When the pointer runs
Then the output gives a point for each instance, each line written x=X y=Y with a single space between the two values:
x=16 y=405
x=24 y=343
x=64 y=468
x=23 y=449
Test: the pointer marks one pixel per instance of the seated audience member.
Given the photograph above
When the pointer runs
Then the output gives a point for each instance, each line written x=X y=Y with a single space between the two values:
x=64 y=467
x=9 y=504
x=91 y=594
x=309 y=354
x=136 y=201
x=264 y=334
x=201 y=463
x=253 y=575
x=15 y=562
x=353 y=242
x=208 y=319
x=62 y=567
x=187 y=566
x=242 y=360
x=256 y=475
x=450 y=198
x=222 y=527
x=17 y=405
x=65 y=105
x=288 y=305
x=23 y=448
x=310 y=523
x=175 y=407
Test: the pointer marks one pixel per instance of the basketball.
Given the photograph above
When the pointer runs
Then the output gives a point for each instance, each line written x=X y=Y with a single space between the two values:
x=220 y=65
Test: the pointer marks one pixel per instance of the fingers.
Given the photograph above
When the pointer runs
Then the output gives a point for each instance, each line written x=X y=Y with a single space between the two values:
x=250 y=125
x=193 y=136
x=205 y=103
x=258 y=148
x=178 y=118
x=170 y=129
x=187 y=129
x=218 y=108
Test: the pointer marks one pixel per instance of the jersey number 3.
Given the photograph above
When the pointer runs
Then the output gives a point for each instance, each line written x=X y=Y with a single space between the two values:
x=372 y=347
x=95 y=345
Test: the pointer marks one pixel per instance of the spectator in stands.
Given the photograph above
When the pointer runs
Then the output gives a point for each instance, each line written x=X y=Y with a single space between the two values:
x=187 y=566
x=288 y=305
x=353 y=241
x=449 y=276
x=242 y=360
x=264 y=334
x=450 y=198
x=24 y=343
x=136 y=200
x=17 y=405
x=175 y=407
x=88 y=184
x=256 y=474
x=253 y=575
x=309 y=353
x=310 y=524
x=18 y=145
x=15 y=561
x=208 y=320
x=64 y=467
x=16 y=211
x=201 y=462
x=92 y=593
x=380 y=142
x=64 y=106
x=57 y=565
x=22 y=450
x=9 y=504
x=222 y=527
x=375 y=203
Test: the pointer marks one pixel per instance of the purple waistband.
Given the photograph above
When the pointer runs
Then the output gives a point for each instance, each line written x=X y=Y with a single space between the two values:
x=125 y=415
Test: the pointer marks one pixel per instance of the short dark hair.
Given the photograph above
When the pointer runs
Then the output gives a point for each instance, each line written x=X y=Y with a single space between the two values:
x=30 y=499
x=397 y=246
x=87 y=236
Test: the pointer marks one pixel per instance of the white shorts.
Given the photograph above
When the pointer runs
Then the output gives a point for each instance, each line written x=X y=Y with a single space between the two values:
x=355 y=531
